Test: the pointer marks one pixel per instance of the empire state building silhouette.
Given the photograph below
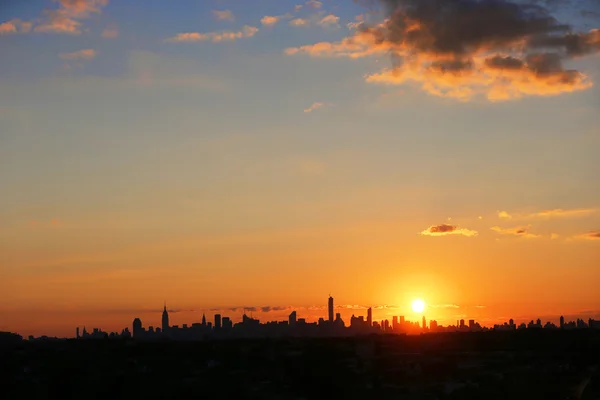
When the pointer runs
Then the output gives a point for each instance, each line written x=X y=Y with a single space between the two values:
x=165 y=319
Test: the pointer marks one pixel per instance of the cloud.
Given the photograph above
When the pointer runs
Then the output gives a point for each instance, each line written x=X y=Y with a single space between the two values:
x=316 y=106
x=225 y=15
x=270 y=20
x=550 y=213
x=518 y=231
x=330 y=20
x=314 y=4
x=554 y=236
x=504 y=215
x=444 y=306
x=266 y=309
x=497 y=49
x=66 y=18
x=110 y=32
x=445 y=229
x=215 y=37
x=85 y=54
x=299 y=22
x=15 y=26
x=593 y=235
x=559 y=212
x=298 y=7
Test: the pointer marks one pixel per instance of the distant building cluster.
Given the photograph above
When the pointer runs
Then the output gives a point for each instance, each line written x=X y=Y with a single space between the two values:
x=334 y=325
x=222 y=327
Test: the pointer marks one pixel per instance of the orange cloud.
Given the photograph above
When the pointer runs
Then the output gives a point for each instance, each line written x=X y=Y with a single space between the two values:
x=225 y=15
x=14 y=26
x=315 y=106
x=65 y=18
x=504 y=215
x=593 y=235
x=215 y=37
x=299 y=22
x=559 y=212
x=518 y=231
x=496 y=50
x=445 y=229
x=85 y=54
x=270 y=20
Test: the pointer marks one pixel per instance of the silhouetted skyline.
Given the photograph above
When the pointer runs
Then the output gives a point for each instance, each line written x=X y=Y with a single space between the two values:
x=330 y=325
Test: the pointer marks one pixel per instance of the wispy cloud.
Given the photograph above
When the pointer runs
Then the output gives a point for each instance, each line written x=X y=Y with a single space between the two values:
x=225 y=15
x=85 y=54
x=504 y=215
x=593 y=235
x=66 y=18
x=445 y=229
x=299 y=22
x=314 y=4
x=110 y=32
x=444 y=306
x=330 y=20
x=518 y=231
x=559 y=212
x=270 y=20
x=316 y=106
x=215 y=37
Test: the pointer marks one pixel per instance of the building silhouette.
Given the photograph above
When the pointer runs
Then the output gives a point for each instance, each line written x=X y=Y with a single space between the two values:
x=165 y=320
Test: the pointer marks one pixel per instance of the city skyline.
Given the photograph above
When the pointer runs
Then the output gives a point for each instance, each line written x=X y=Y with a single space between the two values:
x=331 y=314
x=224 y=152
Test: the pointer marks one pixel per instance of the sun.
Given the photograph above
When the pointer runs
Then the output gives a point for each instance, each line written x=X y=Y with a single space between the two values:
x=418 y=306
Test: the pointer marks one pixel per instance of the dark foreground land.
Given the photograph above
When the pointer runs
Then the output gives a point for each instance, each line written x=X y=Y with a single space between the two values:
x=487 y=365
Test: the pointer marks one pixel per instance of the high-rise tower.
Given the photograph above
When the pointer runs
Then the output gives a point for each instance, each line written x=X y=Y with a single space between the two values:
x=165 y=319
x=330 y=308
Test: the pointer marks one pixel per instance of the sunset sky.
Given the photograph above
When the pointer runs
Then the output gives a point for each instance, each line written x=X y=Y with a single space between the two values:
x=220 y=154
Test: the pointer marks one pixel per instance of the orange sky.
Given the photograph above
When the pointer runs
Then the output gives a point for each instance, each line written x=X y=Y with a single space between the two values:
x=220 y=159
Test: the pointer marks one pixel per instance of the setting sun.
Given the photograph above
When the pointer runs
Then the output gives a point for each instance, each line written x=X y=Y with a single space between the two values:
x=418 y=306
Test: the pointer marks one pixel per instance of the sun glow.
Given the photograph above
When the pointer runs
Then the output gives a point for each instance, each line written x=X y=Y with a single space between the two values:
x=418 y=306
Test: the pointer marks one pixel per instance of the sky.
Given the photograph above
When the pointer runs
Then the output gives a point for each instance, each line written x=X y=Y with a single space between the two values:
x=221 y=154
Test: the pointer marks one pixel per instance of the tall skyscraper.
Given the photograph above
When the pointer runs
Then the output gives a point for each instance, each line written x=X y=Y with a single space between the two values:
x=165 y=319
x=217 y=321
x=424 y=322
x=370 y=317
x=330 y=308
x=562 y=321
x=292 y=318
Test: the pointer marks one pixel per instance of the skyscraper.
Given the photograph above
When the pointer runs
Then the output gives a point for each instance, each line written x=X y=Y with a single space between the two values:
x=330 y=308
x=370 y=317
x=217 y=321
x=165 y=319
x=292 y=318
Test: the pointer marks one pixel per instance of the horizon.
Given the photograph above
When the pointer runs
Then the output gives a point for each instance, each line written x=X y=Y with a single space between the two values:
x=228 y=152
